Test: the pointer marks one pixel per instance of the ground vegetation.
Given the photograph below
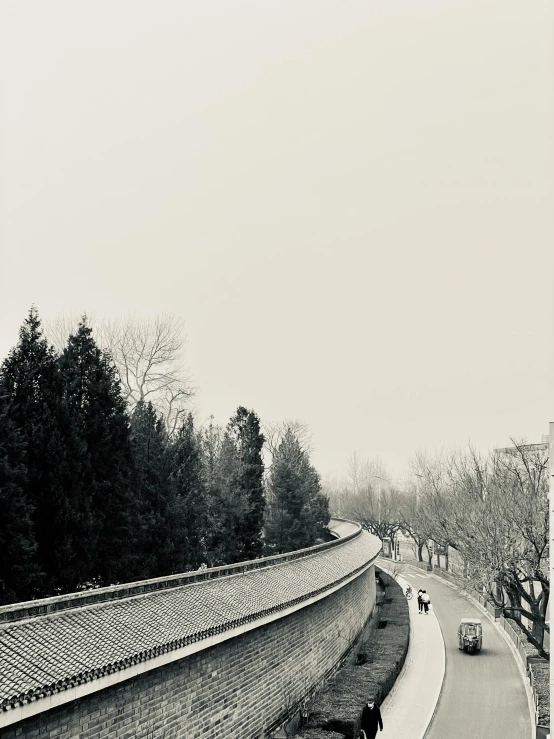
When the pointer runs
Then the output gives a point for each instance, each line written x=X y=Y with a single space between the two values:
x=380 y=655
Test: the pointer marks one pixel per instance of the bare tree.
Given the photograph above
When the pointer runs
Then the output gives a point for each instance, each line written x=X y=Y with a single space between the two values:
x=415 y=522
x=361 y=473
x=494 y=511
x=148 y=354
x=518 y=562
x=427 y=517
x=380 y=514
x=58 y=329
x=356 y=494
x=275 y=432
x=337 y=493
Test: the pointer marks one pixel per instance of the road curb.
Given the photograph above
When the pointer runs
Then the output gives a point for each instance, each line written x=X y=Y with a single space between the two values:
x=513 y=650
x=442 y=682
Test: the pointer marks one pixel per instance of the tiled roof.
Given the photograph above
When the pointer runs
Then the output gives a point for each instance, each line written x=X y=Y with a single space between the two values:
x=51 y=653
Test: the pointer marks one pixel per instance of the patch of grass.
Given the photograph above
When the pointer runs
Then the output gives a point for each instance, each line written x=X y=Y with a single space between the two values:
x=338 y=706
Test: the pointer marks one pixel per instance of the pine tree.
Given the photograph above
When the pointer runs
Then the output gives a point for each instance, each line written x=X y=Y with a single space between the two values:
x=244 y=429
x=31 y=382
x=93 y=397
x=232 y=512
x=19 y=573
x=189 y=521
x=159 y=517
x=226 y=505
x=217 y=534
x=298 y=512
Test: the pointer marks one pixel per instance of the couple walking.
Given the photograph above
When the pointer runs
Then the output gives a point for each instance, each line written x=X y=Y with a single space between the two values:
x=423 y=601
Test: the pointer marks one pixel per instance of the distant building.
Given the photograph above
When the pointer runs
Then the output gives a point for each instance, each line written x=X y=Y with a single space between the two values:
x=542 y=446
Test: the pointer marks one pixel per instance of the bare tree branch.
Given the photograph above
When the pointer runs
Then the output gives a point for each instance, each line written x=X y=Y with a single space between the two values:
x=149 y=355
x=494 y=511
x=274 y=433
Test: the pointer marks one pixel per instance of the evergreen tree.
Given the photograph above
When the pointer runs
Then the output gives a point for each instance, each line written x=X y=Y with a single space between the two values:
x=189 y=521
x=230 y=510
x=298 y=511
x=244 y=430
x=226 y=505
x=217 y=534
x=18 y=570
x=93 y=397
x=159 y=517
x=31 y=381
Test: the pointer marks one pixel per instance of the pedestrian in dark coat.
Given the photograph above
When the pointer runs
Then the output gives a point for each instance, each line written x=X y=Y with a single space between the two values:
x=371 y=719
x=419 y=601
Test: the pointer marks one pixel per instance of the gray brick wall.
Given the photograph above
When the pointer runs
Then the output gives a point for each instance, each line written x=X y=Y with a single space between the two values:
x=237 y=690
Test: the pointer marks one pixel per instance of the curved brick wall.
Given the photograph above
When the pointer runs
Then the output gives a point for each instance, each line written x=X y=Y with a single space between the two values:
x=223 y=656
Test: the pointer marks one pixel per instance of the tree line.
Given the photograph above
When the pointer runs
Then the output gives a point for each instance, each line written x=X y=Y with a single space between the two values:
x=492 y=509
x=96 y=490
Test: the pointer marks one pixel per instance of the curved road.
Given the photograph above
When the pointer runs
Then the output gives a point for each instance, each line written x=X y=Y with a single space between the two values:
x=483 y=694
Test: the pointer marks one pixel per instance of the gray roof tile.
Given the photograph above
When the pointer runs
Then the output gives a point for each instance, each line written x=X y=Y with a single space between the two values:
x=63 y=648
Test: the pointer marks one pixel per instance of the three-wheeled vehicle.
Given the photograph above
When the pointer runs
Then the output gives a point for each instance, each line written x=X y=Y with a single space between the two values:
x=470 y=635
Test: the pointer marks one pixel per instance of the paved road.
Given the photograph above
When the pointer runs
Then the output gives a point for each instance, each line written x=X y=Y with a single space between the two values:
x=483 y=694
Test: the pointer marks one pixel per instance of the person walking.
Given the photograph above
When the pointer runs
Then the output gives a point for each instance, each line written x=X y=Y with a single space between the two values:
x=371 y=719
x=425 y=600
x=419 y=601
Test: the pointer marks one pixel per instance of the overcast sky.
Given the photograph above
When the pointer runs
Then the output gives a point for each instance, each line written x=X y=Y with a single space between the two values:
x=349 y=203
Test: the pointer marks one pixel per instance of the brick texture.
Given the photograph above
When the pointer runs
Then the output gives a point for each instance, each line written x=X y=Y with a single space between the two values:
x=239 y=689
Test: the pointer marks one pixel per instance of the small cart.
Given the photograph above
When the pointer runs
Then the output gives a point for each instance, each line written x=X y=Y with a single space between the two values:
x=470 y=635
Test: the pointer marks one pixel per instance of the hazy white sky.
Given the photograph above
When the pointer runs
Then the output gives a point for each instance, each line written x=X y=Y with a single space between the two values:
x=349 y=203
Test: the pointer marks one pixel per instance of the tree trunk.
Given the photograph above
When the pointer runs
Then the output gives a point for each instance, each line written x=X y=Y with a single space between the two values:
x=538 y=633
x=420 y=552
x=429 y=555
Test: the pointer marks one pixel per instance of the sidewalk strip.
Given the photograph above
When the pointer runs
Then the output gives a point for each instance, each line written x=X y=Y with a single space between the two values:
x=409 y=707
